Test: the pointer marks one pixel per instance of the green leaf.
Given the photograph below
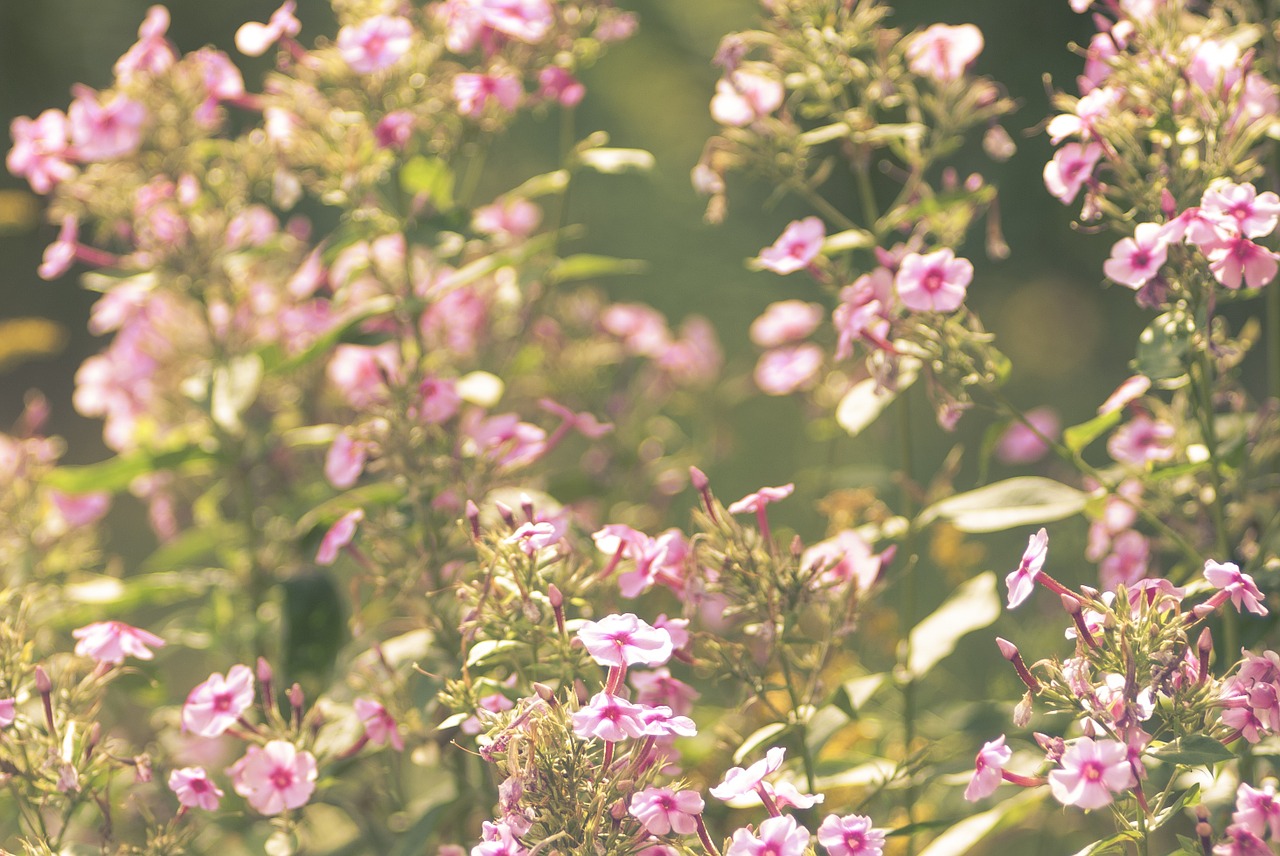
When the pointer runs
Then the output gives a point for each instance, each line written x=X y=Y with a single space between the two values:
x=974 y=605
x=1008 y=504
x=429 y=176
x=487 y=649
x=1078 y=437
x=365 y=496
x=116 y=474
x=1163 y=347
x=235 y=388
x=874 y=772
x=757 y=739
x=586 y=266
x=825 y=134
x=849 y=239
x=865 y=402
x=1173 y=810
x=1194 y=750
x=1110 y=843
x=859 y=691
x=962 y=837
x=192 y=544
x=613 y=161
x=542 y=185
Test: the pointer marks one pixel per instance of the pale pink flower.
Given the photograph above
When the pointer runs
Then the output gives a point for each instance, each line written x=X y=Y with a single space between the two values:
x=615 y=25
x=764 y=496
x=584 y=423
x=80 y=509
x=507 y=441
x=1091 y=773
x=360 y=373
x=1135 y=261
x=785 y=321
x=738 y=780
x=151 y=53
x=473 y=92
x=1023 y=579
x=988 y=769
x=1242 y=841
x=1237 y=258
x=468 y=21
x=338 y=536
x=39 y=151
x=1089 y=110
x=1131 y=390
x=1020 y=444
x=1257 y=809
x=1140 y=440
x=194 y=788
x=609 y=718
x=662 y=811
x=499 y=839
x=1127 y=561
x=744 y=96
x=944 y=52
x=1102 y=49
x=509 y=218
x=662 y=721
x=379 y=725
x=275 y=778
x=62 y=253
x=532 y=537
x=659 y=688
x=345 y=461
x=375 y=43
x=1244 y=592
x=777 y=836
x=253 y=38
x=222 y=82
x=8 y=711
x=1242 y=208
x=851 y=835
x=439 y=400
x=625 y=640
x=216 y=704
x=1071 y=167
x=557 y=84
x=935 y=282
x=797 y=247
x=109 y=642
x=493 y=703
x=101 y=132
x=642 y=329
x=785 y=370
x=695 y=357
x=862 y=310
x=844 y=558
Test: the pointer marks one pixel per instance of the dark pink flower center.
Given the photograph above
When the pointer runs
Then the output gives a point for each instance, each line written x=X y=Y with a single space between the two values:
x=1092 y=771
x=222 y=702
x=932 y=281
x=281 y=778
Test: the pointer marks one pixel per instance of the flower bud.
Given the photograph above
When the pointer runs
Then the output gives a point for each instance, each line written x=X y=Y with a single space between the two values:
x=505 y=512
x=473 y=518
x=1022 y=713
x=526 y=505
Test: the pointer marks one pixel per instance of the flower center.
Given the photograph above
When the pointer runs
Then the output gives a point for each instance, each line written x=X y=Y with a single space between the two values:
x=281 y=778
x=1092 y=771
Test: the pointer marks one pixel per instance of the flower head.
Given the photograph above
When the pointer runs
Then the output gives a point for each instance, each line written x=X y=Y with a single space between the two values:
x=609 y=718
x=777 y=836
x=738 y=780
x=379 y=725
x=375 y=43
x=276 y=777
x=988 y=767
x=214 y=706
x=851 y=835
x=625 y=640
x=743 y=96
x=662 y=810
x=1091 y=773
x=1135 y=261
x=110 y=642
x=1071 y=167
x=1240 y=586
x=943 y=52
x=1023 y=579
x=935 y=282
x=796 y=248
x=194 y=789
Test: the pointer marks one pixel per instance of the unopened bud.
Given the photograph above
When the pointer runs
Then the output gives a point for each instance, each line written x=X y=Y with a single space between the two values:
x=43 y=685
x=296 y=698
x=698 y=479
x=1168 y=205
x=580 y=690
x=526 y=505
x=1205 y=643
x=545 y=693
x=618 y=810
x=1071 y=604
x=505 y=512
x=554 y=595
x=1022 y=713
x=1007 y=649
x=265 y=677
x=1010 y=652
x=473 y=519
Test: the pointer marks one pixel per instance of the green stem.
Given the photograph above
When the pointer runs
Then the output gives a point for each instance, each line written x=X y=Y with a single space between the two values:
x=907 y=465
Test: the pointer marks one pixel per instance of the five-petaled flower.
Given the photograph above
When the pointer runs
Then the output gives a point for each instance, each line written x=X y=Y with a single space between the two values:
x=1023 y=579
x=109 y=642
x=625 y=640
x=1091 y=773
x=216 y=704
x=275 y=777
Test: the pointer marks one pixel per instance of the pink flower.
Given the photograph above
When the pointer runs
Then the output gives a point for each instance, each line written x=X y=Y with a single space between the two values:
x=508 y=441
x=1237 y=258
x=253 y=39
x=275 y=777
x=1019 y=444
x=473 y=92
x=39 y=151
x=642 y=329
x=1140 y=440
x=533 y=537
x=609 y=718
x=785 y=321
x=1257 y=810
x=658 y=688
x=194 y=789
x=743 y=96
x=375 y=43
x=1244 y=592
x=108 y=131
x=738 y=780
x=151 y=53
x=110 y=642
x=80 y=509
x=1092 y=107
x=379 y=725
x=625 y=640
x=345 y=461
x=1135 y=261
x=1091 y=773
x=933 y=283
x=8 y=711
x=1127 y=561
x=61 y=254
x=988 y=767
x=797 y=247
x=439 y=400
x=557 y=84
x=1023 y=580
x=1071 y=167
x=1131 y=390
x=338 y=536
x=1242 y=841
x=498 y=839
x=360 y=373
x=844 y=558
x=661 y=810
x=764 y=496
x=510 y=218
x=215 y=705
x=663 y=722
x=778 y=836
x=943 y=52
x=394 y=130
x=1241 y=208
x=785 y=370
x=850 y=835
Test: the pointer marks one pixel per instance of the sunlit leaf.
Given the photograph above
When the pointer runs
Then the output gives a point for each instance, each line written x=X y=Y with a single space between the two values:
x=115 y=474
x=430 y=177
x=1078 y=437
x=585 y=266
x=1194 y=750
x=757 y=739
x=974 y=605
x=612 y=161
x=863 y=403
x=1110 y=844
x=1007 y=504
x=962 y=837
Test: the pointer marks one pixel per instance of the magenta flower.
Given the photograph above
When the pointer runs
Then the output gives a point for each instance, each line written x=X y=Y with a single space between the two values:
x=778 y=836
x=1019 y=444
x=844 y=558
x=935 y=282
x=1127 y=561
x=345 y=461
x=744 y=96
x=275 y=778
x=1257 y=810
x=62 y=253
x=557 y=84
x=659 y=688
x=1135 y=261
x=194 y=789
x=379 y=725
x=8 y=711
x=662 y=810
x=625 y=640
x=943 y=52
x=1140 y=440
x=785 y=321
x=507 y=441
x=1242 y=841
x=39 y=151
x=850 y=835
x=509 y=218
x=1091 y=773
x=80 y=509
x=253 y=38
x=1241 y=208
x=796 y=248
x=215 y=705
x=101 y=132
x=1023 y=579
x=394 y=130
x=498 y=839
x=738 y=781
x=764 y=496
x=439 y=400
x=109 y=642
x=988 y=769
x=1071 y=167
x=1237 y=259
x=473 y=92
x=360 y=373
x=1243 y=591
x=375 y=43
x=785 y=370
x=609 y=718
x=338 y=536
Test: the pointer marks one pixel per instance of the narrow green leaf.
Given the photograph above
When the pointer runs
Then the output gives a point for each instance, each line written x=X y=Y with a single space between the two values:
x=116 y=474
x=1174 y=809
x=366 y=496
x=1077 y=438
x=962 y=837
x=489 y=648
x=1194 y=750
x=1007 y=504
x=1109 y=844
x=542 y=185
x=757 y=739
x=612 y=161
x=974 y=605
x=586 y=266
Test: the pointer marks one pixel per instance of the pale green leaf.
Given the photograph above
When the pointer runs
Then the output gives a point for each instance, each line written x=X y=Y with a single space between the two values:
x=587 y=266
x=757 y=739
x=974 y=605
x=612 y=161
x=1078 y=437
x=1008 y=504
x=863 y=403
x=962 y=837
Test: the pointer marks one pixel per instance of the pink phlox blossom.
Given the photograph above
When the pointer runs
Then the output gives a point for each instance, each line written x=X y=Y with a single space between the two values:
x=1156 y=593
x=507 y=441
x=739 y=780
x=104 y=131
x=695 y=357
x=785 y=321
x=657 y=561
x=662 y=811
x=1127 y=561
x=944 y=52
x=1264 y=667
x=493 y=703
x=1256 y=98
x=757 y=501
x=585 y=424
x=988 y=769
x=1238 y=261
x=845 y=557
x=557 y=84
x=1131 y=390
x=609 y=718
x=61 y=254
x=615 y=25
x=1103 y=48
x=345 y=460
x=499 y=839
x=782 y=371
x=796 y=248
x=340 y=534
x=456 y=321
x=40 y=150
x=194 y=789
x=659 y=688
x=677 y=628
x=532 y=537
x=438 y=399
x=934 y=282
x=360 y=373
x=394 y=130
x=253 y=38
x=744 y=96
x=642 y=329
x=625 y=640
x=1091 y=108
x=661 y=721
x=8 y=711
x=471 y=22
x=777 y=836
x=1111 y=701
x=1135 y=261
x=1071 y=167
x=74 y=510
x=375 y=43
x=275 y=777
x=222 y=82
x=1022 y=581
x=216 y=704
x=151 y=54
x=1257 y=809
x=786 y=795
x=851 y=835
x=109 y=642
x=1241 y=208
x=1091 y=772
x=1244 y=592
x=862 y=312
x=510 y=218
x=379 y=724
x=474 y=92
x=1242 y=841
x=1020 y=444
x=1195 y=226
x=1142 y=440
